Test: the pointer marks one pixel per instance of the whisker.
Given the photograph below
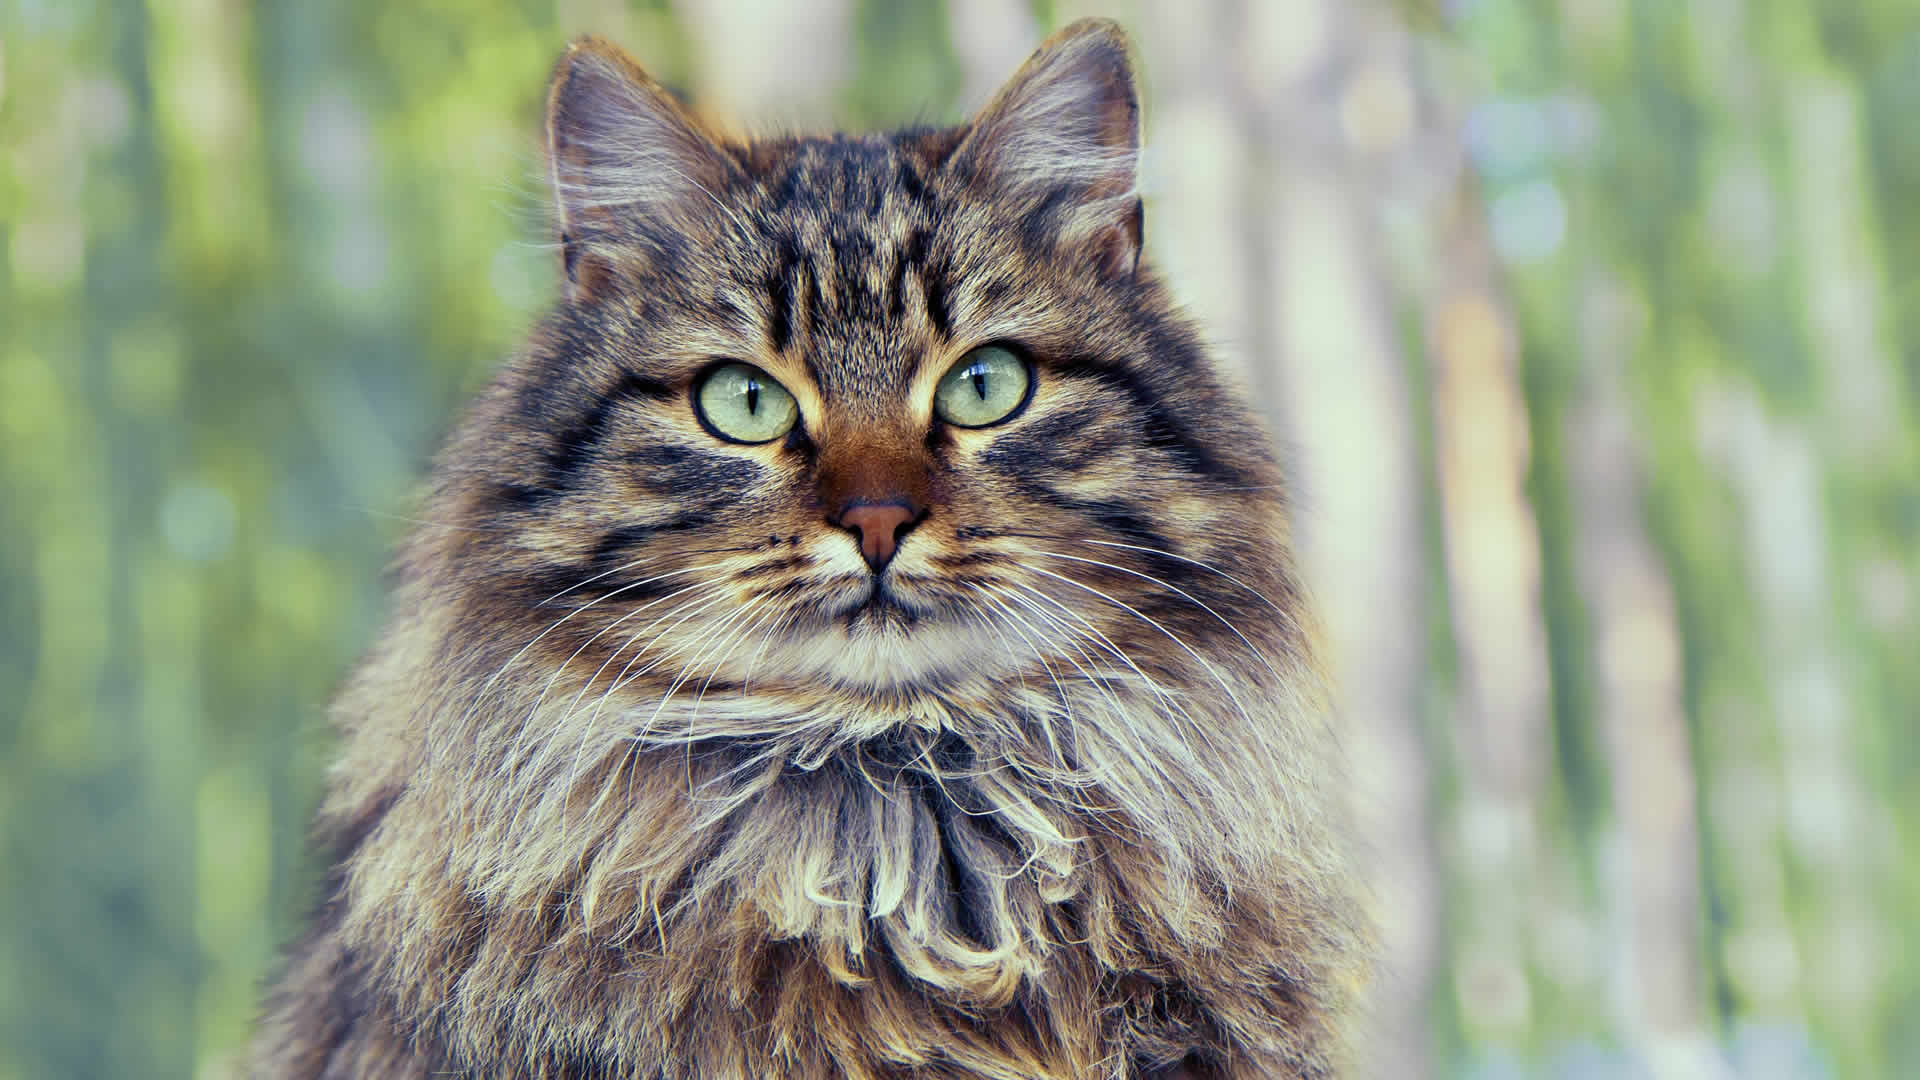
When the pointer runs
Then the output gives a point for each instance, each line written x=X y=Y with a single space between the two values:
x=1138 y=752
x=481 y=697
x=623 y=678
x=735 y=640
x=1171 y=636
x=1173 y=708
x=1201 y=604
x=560 y=669
x=584 y=583
x=699 y=604
x=1209 y=567
x=1045 y=721
x=1078 y=772
x=746 y=682
x=769 y=614
x=733 y=550
x=1094 y=633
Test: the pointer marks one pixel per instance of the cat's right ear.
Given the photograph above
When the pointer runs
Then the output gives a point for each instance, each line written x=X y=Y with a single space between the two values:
x=633 y=173
x=1062 y=140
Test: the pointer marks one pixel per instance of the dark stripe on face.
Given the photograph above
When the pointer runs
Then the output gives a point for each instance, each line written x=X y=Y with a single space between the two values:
x=1121 y=518
x=933 y=280
x=1128 y=520
x=574 y=448
x=782 y=285
x=810 y=278
x=1168 y=344
x=1160 y=428
x=908 y=178
x=567 y=587
x=1068 y=441
x=522 y=496
x=784 y=564
x=897 y=288
x=968 y=559
x=779 y=309
x=911 y=256
x=689 y=474
x=853 y=252
x=621 y=541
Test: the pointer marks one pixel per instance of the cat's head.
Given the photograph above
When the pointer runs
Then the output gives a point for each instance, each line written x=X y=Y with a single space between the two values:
x=884 y=414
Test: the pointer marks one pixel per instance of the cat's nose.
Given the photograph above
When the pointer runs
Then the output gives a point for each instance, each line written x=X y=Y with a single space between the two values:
x=880 y=526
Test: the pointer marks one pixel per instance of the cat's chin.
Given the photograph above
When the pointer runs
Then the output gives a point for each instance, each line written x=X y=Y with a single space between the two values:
x=890 y=647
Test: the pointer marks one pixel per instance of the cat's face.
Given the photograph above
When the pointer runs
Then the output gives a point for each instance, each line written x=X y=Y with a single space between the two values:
x=881 y=414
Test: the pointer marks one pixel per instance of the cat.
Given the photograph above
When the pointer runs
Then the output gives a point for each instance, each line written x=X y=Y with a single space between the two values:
x=856 y=638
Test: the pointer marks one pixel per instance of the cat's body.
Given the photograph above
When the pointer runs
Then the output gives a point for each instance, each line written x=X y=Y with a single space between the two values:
x=889 y=746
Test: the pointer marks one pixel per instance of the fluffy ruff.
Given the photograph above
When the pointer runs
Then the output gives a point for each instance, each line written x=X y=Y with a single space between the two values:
x=1074 y=882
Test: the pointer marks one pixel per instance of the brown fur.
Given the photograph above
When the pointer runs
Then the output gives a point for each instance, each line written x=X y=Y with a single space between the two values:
x=646 y=779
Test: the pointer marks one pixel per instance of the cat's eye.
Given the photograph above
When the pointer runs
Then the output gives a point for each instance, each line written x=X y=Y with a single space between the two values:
x=741 y=403
x=987 y=386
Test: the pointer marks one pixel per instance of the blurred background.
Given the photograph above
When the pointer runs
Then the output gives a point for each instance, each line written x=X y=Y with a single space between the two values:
x=1591 y=327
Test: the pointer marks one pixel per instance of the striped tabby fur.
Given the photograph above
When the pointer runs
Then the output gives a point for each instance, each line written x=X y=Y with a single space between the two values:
x=652 y=777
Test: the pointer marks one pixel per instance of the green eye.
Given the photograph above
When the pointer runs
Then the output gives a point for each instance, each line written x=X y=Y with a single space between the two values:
x=741 y=403
x=987 y=386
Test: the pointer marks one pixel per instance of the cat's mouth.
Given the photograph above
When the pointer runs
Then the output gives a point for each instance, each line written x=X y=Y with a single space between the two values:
x=883 y=606
x=882 y=633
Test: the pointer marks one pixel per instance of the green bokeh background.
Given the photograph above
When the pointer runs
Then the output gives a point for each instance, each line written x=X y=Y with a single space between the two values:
x=255 y=254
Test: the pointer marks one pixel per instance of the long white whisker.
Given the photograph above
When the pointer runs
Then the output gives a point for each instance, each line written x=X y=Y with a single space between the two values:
x=624 y=678
x=561 y=668
x=588 y=581
x=698 y=605
x=1258 y=654
x=766 y=613
x=1123 y=732
x=735 y=640
x=712 y=587
x=1209 y=567
x=1176 y=710
x=1094 y=633
x=1171 y=636
x=481 y=697
x=746 y=682
x=1099 y=680
x=1046 y=722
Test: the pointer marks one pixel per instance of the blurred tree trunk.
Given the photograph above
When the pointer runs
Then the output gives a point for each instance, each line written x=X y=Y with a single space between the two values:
x=1859 y=450
x=1505 y=748
x=1654 y=884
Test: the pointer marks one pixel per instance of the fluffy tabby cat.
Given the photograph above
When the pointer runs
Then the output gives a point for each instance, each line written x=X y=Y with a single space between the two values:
x=856 y=639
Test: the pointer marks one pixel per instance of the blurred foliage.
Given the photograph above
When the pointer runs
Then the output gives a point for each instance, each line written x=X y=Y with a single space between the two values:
x=256 y=253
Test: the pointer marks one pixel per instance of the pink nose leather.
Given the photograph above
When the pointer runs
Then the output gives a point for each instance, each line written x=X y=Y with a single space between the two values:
x=879 y=526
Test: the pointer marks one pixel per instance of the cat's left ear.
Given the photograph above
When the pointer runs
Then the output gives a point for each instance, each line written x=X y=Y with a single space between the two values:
x=1062 y=137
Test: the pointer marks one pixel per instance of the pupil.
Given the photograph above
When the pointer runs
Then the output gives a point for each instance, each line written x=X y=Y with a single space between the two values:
x=979 y=374
x=753 y=395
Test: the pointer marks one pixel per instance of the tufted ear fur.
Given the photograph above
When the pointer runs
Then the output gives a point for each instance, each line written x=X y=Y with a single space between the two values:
x=631 y=169
x=1063 y=138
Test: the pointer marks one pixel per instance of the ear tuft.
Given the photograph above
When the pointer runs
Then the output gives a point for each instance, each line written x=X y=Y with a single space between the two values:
x=630 y=167
x=1062 y=137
